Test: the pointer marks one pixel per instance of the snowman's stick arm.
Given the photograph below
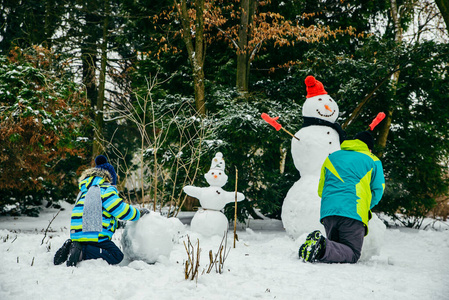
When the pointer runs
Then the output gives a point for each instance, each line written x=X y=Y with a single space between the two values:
x=276 y=125
x=290 y=133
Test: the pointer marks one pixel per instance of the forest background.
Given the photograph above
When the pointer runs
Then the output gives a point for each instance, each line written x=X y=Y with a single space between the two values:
x=161 y=86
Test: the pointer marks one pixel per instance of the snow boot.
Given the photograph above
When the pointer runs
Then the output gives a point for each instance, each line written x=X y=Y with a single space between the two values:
x=313 y=248
x=62 y=253
x=75 y=254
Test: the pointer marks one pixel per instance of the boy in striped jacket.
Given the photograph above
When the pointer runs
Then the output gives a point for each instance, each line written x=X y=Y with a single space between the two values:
x=95 y=217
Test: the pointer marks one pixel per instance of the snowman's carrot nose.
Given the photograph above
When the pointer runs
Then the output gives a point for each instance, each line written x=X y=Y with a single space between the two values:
x=328 y=108
x=215 y=176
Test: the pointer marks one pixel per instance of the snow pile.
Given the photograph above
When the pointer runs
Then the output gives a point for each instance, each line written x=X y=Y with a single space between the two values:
x=151 y=237
x=264 y=264
x=373 y=242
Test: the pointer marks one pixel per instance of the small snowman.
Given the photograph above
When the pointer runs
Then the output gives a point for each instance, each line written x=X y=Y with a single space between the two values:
x=319 y=136
x=209 y=219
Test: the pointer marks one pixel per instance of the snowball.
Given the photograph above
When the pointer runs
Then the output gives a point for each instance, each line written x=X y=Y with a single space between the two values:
x=150 y=237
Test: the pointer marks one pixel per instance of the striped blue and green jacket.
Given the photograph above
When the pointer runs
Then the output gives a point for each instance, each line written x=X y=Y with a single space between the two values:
x=351 y=183
x=114 y=208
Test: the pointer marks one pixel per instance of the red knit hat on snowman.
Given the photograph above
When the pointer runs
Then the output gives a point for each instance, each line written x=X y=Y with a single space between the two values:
x=314 y=87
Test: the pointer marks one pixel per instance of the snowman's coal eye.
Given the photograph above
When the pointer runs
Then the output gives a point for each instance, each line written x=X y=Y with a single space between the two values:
x=319 y=99
x=212 y=173
x=219 y=173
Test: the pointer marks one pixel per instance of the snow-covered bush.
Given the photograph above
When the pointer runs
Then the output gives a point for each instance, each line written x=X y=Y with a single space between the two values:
x=42 y=118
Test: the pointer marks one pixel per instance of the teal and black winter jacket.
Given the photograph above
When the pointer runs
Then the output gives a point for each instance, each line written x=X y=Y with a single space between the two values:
x=351 y=183
x=113 y=208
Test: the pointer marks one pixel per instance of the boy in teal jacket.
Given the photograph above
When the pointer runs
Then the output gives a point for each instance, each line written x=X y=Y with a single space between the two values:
x=95 y=217
x=351 y=184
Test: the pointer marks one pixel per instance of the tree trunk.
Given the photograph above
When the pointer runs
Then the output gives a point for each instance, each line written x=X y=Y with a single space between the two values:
x=247 y=10
x=47 y=31
x=385 y=127
x=443 y=6
x=242 y=51
x=99 y=114
x=198 y=62
x=197 y=52
x=89 y=62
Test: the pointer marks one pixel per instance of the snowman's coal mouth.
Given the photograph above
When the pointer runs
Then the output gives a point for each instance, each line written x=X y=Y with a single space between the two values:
x=324 y=115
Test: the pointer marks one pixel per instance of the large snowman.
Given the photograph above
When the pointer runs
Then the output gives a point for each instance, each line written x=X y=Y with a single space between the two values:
x=209 y=220
x=319 y=136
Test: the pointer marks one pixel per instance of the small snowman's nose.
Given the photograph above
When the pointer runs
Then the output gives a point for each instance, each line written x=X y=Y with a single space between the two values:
x=215 y=176
x=328 y=108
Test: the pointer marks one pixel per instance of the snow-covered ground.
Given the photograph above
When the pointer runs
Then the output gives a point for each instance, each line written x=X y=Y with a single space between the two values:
x=414 y=264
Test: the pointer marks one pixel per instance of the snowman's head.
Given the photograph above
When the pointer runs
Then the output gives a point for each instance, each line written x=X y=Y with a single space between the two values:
x=319 y=104
x=216 y=177
x=321 y=107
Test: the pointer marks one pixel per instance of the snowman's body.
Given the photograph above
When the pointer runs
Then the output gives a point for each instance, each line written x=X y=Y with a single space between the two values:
x=209 y=220
x=313 y=147
x=301 y=207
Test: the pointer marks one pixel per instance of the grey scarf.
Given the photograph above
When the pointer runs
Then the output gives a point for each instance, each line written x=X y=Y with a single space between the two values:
x=93 y=210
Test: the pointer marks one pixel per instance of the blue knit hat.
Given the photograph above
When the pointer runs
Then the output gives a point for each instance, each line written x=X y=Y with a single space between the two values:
x=101 y=162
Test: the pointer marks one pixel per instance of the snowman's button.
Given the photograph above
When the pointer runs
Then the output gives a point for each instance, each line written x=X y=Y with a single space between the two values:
x=330 y=143
x=328 y=132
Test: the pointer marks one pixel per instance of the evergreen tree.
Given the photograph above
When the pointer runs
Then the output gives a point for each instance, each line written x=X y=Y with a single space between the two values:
x=29 y=22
